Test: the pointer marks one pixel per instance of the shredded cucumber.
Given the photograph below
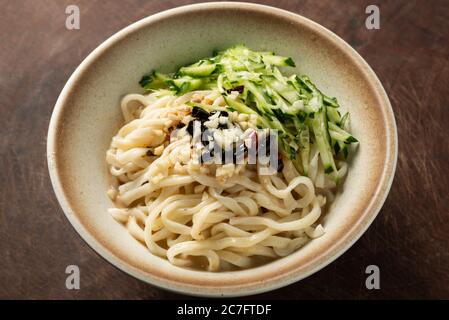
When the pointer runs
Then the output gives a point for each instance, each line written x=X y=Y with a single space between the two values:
x=294 y=106
x=339 y=134
x=320 y=131
x=197 y=70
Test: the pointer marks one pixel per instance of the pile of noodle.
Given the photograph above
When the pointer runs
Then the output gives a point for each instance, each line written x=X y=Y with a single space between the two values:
x=181 y=211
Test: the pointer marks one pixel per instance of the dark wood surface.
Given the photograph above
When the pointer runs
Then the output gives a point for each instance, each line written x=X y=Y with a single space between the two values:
x=409 y=240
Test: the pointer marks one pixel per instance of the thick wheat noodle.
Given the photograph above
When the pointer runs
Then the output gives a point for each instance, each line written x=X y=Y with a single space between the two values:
x=182 y=212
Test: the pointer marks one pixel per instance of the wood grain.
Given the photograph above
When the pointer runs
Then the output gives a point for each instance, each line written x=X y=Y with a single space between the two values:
x=408 y=241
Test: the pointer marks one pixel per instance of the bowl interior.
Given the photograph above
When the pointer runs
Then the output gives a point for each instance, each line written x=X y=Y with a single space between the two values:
x=87 y=115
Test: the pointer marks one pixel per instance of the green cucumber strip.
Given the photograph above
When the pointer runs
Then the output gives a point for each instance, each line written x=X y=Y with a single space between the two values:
x=285 y=90
x=155 y=80
x=183 y=85
x=203 y=70
x=330 y=102
x=314 y=104
x=321 y=138
x=243 y=108
x=307 y=84
x=304 y=150
x=344 y=149
x=339 y=134
x=333 y=115
x=344 y=121
x=260 y=98
x=278 y=61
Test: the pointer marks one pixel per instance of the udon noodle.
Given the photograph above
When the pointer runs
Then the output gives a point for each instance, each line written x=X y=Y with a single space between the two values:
x=191 y=213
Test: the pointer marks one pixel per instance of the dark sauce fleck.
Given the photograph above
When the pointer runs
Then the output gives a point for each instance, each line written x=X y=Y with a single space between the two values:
x=238 y=88
x=200 y=114
x=190 y=127
x=222 y=126
x=221 y=113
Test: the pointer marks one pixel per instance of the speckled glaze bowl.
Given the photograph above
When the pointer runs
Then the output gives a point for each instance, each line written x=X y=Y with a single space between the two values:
x=87 y=115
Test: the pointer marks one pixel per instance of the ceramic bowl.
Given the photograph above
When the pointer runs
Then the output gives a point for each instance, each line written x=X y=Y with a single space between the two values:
x=87 y=115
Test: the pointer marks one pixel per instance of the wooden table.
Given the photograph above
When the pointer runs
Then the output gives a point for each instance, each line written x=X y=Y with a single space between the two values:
x=409 y=240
